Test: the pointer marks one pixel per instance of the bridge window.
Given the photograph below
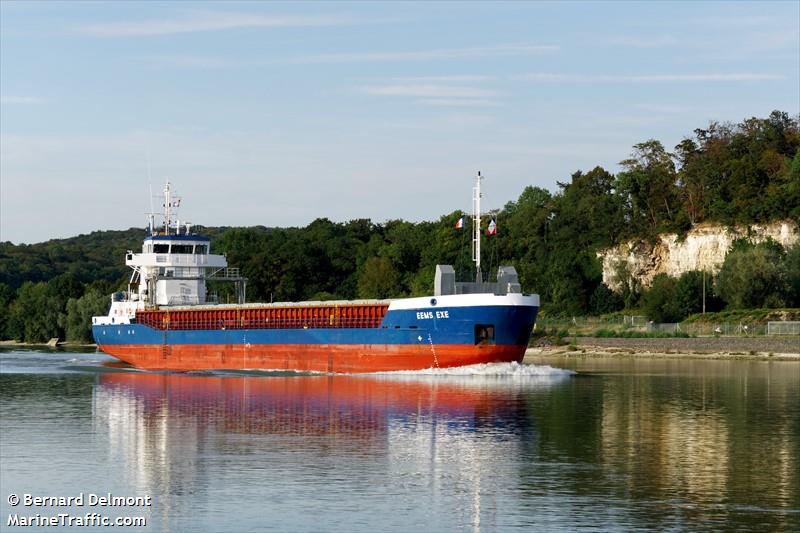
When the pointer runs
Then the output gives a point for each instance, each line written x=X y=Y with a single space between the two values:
x=201 y=249
x=181 y=248
x=161 y=248
x=484 y=334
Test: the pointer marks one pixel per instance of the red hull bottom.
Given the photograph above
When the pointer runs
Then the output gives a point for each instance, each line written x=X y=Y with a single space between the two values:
x=349 y=358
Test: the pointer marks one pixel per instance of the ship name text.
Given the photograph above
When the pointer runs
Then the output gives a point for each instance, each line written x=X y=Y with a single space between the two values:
x=424 y=315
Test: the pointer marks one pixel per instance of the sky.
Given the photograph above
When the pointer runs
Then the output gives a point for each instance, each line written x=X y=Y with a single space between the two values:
x=275 y=114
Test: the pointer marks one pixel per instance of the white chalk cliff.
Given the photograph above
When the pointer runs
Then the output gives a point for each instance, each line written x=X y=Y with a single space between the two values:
x=702 y=248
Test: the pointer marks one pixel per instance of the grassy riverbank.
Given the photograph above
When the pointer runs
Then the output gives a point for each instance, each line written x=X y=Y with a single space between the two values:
x=778 y=348
x=59 y=344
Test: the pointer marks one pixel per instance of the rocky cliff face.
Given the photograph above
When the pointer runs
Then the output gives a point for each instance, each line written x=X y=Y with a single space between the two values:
x=703 y=248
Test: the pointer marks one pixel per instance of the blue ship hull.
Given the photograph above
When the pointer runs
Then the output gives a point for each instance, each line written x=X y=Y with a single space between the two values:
x=413 y=334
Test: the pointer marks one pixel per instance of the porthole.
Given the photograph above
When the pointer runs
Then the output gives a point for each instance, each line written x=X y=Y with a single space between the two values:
x=433 y=301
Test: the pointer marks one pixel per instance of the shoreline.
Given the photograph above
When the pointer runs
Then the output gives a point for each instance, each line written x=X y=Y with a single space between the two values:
x=755 y=348
x=60 y=344
x=563 y=351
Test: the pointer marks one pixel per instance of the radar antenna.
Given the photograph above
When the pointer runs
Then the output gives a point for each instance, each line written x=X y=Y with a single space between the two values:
x=170 y=202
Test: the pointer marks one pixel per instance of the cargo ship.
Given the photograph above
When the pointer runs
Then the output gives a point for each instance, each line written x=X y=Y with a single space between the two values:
x=166 y=320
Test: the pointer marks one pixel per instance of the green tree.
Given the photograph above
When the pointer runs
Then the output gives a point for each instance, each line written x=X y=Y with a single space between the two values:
x=689 y=293
x=585 y=216
x=660 y=300
x=379 y=279
x=604 y=300
x=745 y=171
x=522 y=240
x=630 y=288
x=752 y=275
x=6 y=299
x=648 y=185
x=692 y=183
x=36 y=315
x=791 y=266
x=791 y=188
x=421 y=283
x=78 y=323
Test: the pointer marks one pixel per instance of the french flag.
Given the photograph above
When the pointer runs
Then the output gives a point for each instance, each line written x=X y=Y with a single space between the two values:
x=492 y=229
x=460 y=223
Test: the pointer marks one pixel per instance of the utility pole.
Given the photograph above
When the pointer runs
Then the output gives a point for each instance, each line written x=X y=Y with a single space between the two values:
x=704 y=292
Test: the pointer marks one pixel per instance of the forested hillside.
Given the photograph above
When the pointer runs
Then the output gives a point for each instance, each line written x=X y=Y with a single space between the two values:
x=726 y=173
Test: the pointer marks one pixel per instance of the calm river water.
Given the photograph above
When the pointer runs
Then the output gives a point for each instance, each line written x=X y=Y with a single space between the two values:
x=621 y=444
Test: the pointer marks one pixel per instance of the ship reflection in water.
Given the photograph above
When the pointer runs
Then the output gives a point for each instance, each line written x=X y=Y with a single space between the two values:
x=624 y=444
x=370 y=437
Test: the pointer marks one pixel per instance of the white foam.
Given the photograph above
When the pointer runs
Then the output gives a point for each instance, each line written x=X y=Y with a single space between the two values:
x=515 y=370
x=507 y=377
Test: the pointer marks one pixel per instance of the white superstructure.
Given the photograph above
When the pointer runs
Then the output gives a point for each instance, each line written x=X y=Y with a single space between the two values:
x=172 y=269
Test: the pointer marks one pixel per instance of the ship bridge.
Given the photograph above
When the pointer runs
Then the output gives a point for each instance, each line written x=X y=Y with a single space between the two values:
x=175 y=264
x=173 y=269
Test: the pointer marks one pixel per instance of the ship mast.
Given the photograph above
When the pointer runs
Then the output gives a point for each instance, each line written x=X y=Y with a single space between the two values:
x=170 y=201
x=167 y=208
x=476 y=227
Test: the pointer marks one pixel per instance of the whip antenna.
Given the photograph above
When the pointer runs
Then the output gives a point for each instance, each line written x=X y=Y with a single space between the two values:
x=150 y=185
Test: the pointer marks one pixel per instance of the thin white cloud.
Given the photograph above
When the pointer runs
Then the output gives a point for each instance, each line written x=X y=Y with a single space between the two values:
x=427 y=91
x=645 y=42
x=212 y=21
x=597 y=148
x=21 y=100
x=545 y=77
x=503 y=50
x=194 y=62
x=774 y=40
x=667 y=109
x=457 y=78
x=459 y=102
x=428 y=55
x=758 y=21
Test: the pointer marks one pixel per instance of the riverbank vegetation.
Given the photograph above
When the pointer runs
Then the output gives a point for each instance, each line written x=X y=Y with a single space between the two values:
x=633 y=324
x=732 y=174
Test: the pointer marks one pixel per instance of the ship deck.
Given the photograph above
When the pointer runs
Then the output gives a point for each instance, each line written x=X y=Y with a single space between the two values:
x=270 y=305
x=350 y=314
